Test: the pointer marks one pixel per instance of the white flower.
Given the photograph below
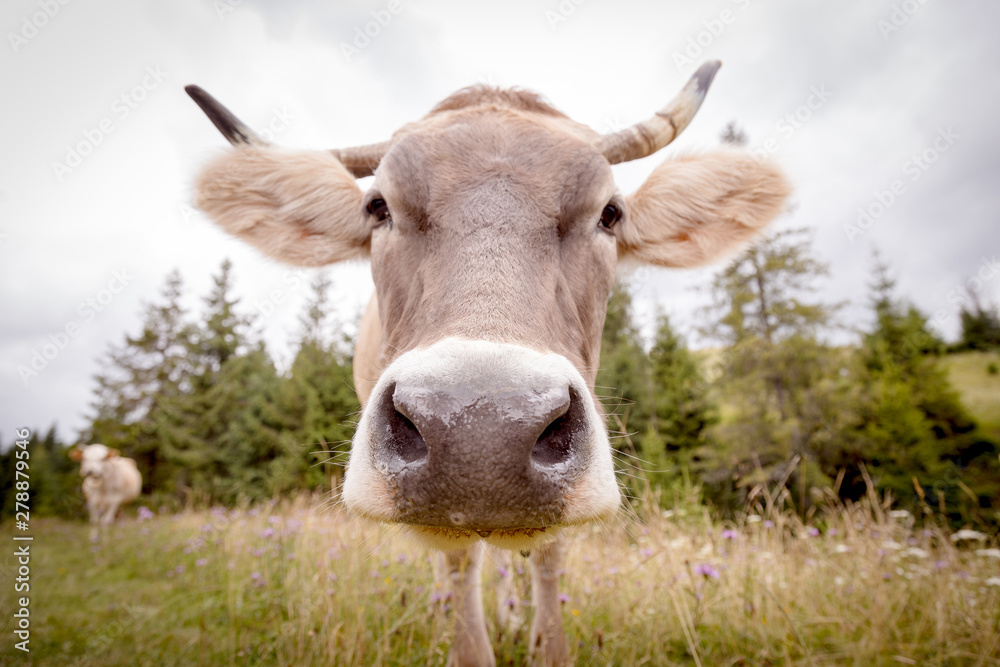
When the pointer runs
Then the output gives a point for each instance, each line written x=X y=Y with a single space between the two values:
x=966 y=534
x=988 y=553
x=993 y=581
x=915 y=552
x=841 y=549
x=899 y=514
x=753 y=518
x=889 y=545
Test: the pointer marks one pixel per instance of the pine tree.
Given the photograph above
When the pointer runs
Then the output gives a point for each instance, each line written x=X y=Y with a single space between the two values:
x=773 y=369
x=207 y=439
x=320 y=395
x=139 y=376
x=910 y=420
x=623 y=379
x=980 y=325
x=682 y=412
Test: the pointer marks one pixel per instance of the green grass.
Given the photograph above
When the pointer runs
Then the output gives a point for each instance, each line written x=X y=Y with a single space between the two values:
x=979 y=389
x=292 y=584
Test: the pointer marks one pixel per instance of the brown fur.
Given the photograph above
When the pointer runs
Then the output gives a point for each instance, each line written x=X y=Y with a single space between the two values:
x=300 y=207
x=695 y=209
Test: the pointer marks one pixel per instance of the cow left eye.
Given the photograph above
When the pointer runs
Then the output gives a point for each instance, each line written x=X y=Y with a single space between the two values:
x=380 y=210
x=610 y=216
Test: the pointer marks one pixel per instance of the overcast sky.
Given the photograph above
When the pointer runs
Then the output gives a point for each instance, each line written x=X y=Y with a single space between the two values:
x=100 y=143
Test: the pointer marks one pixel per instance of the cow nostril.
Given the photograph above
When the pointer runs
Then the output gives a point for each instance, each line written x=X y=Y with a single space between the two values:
x=555 y=444
x=407 y=442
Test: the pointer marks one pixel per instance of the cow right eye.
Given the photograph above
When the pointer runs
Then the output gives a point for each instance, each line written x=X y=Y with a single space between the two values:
x=380 y=210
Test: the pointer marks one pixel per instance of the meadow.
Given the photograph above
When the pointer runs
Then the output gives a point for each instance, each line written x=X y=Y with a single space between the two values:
x=300 y=582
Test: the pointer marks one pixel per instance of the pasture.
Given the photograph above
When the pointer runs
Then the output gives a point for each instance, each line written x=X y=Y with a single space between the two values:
x=302 y=583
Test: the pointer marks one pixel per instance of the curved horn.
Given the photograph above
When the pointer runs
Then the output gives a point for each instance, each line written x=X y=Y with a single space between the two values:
x=649 y=136
x=232 y=128
x=359 y=160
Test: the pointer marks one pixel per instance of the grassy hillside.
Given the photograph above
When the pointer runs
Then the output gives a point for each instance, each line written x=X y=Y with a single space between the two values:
x=979 y=388
x=295 y=584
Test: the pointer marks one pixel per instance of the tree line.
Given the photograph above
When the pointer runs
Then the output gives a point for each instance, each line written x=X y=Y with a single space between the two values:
x=200 y=405
x=775 y=407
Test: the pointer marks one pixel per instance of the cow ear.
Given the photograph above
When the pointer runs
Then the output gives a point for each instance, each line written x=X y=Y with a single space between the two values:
x=112 y=453
x=300 y=207
x=76 y=454
x=694 y=209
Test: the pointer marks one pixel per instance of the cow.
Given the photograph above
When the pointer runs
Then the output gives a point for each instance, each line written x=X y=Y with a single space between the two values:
x=494 y=230
x=109 y=481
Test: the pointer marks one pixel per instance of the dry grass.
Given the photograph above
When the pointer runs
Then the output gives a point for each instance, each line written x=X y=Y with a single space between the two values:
x=294 y=584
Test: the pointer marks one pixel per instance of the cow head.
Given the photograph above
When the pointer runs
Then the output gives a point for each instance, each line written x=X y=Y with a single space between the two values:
x=494 y=228
x=91 y=458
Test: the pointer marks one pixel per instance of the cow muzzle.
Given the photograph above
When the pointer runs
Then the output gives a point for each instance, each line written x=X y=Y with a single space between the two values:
x=479 y=437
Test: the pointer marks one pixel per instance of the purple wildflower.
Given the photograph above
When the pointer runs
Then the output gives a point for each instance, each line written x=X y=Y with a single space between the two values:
x=813 y=531
x=504 y=572
x=145 y=513
x=201 y=562
x=706 y=570
x=729 y=534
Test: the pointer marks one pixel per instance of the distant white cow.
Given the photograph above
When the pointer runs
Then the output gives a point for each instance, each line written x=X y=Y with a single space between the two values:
x=109 y=481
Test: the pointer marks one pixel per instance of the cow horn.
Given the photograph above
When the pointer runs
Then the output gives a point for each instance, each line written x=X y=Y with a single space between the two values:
x=232 y=128
x=649 y=136
x=359 y=160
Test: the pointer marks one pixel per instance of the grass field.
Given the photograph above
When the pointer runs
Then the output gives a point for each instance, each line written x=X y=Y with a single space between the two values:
x=980 y=390
x=296 y=584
